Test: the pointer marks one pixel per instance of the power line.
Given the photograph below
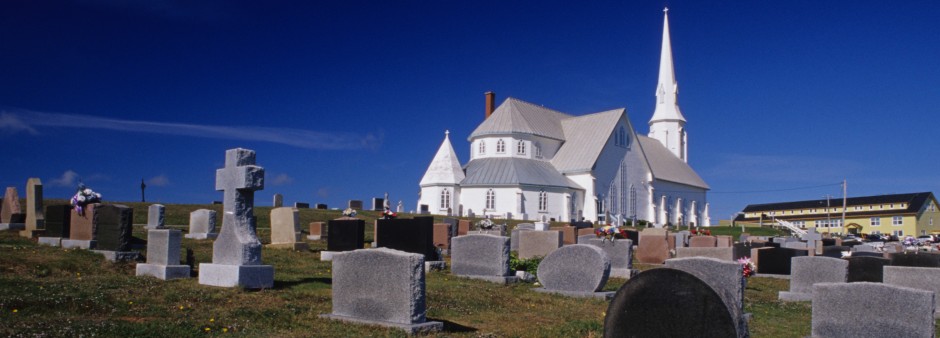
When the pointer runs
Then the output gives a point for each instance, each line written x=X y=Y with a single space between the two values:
x=759 y=191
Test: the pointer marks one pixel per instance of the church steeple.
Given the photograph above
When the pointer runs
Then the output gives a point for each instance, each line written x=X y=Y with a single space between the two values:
x=445 y=167
x=667 y=124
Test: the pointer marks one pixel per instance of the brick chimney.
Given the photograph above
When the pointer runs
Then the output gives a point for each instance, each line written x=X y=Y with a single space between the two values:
x=490 y=103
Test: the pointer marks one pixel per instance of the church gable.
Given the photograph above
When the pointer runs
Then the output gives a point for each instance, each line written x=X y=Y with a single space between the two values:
x=585 y=138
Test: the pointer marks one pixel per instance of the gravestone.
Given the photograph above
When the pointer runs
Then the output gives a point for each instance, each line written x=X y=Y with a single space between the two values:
x=725 y=254
x=577 y=270
x=442 y=236
x=155 y=216
x=463 y=227
x=917 y=259
x=871 y=310
x=236 y=254
x=381 y=287
x=355 y=204
x=583 y=239
x=285 y=230
x=202 y=224
x=743 y=249
x=653 y=247
x=568 y=234
x=58 y=223
x=703 y=242
x=724 y=277
x=864 y=248
x=776 y=261
x=868 y=254
x=278 y=201
x=620 y=253
x=813 y=240
x=11 y=217
x=634 y=236
x=35 y=219
x=680 y=238
x=538 y=243
x=81 y=228
x=317 y=231
x=927 y=279
x=834 y=251
x=163 y=255
x=672 y=303
x=723 y=241
x=892 y=247
x=114 y=227
x=409 y=235
x=321 y=206
x=866 y=269
x=581 y=225
x=344 y=234
x=484 y=257
x=301 y=205
x=809 y=270
x=453 y=224
x=514 y=235
x=378 y=204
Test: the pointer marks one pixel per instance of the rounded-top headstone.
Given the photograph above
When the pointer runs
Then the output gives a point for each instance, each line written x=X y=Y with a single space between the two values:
x=579 y=268
x=667 y=303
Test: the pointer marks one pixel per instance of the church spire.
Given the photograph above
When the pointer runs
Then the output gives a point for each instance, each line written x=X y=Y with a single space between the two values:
x=445 y=167
x=667 y=124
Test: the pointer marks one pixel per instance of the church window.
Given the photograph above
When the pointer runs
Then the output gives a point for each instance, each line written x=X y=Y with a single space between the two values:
x=482 y=149
x=490 y=199
x=520 y=147
x=538 y=150
x=445 y=199
x=500 y=146
x=543 y=201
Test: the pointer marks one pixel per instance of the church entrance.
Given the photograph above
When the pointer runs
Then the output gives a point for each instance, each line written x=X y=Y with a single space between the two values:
x=854 y=228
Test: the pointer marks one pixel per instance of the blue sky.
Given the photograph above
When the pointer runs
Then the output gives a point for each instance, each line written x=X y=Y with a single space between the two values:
x=350 y=99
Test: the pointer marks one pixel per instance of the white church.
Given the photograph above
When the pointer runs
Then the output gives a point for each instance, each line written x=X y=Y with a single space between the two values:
x=529 y=162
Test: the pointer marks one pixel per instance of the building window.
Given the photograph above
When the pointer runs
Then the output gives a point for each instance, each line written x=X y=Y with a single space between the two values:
x=538 y=150
x=898 y=233
x=490 y=199
x=500 y=146
x=620 y=138
x=543 y=201
x=875 y=221
x=482 y=149
x=930 y=221
x=897 y=220
x=520 y=147
x=932 y=207
x=445 y=199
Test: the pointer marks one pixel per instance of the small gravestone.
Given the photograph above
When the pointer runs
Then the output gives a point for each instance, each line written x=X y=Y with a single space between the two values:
x=278 y=201
x=809 y=270
x=301 y=205
x=344 y=234
x=11 y=217
x=868 y=254
x=355 y=204
x=776 y=261
x=583 y=239
x=202 y=224
x=114 y=227
x=725 y=254
x=680 y=238
x=538 y=243
x=723 y=241
x=834 y=251
x=864 y=248
x=155 y=216
x=917 y=259
x=871 y=310
x=568 y=235
x=321 y=206
x=409 y=235
x=634 y=236
x=484 y=257
x=927 y=279
x=81 y=228
x=620 y=253
x=866 y=269
x=703 y=242
x=892 y=247
x=236 y=254
x=813 y=240
x=285 y=230
x=577 y=270
x=463 y=227
x=58 y=223
x=514 y=235
x=725 y=277
x=317 y=231
x=452 y=222
x=671 y=303
x=163 y=256
x=35 y=219
x=743 y=249
x=378 y=204
x=381 y=287
x=653 y=247
x=442 y=236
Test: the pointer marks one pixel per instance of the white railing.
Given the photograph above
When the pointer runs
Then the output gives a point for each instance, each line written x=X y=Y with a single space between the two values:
x=793 y=228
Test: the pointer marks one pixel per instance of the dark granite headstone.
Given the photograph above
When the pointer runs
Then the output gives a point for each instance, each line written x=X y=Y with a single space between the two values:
x=378 y=204
x=867 y=254
x=772 y=244
x=409 y=235
x=920 y=259
x=866 y=269
x=828 y=241
x=58 y=221
x=345 y=234
x=742 y=250
x=580 y=225
x=668 y=303
x=321 y=206
x=453 y=222
x=299 y=205
x=851 y=243
x=634 y=236
x=834 y=251
x=114 y=225
x=776 y=261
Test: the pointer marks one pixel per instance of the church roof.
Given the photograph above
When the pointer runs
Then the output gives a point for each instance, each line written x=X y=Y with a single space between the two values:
x=520 y=117
x=667 y=90
x=445 y=167
x=585 y=137
x=666 y=166
x=514 y=171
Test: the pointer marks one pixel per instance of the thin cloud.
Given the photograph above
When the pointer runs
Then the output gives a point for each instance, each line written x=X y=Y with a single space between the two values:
x=11 y=124
x=281 y=179
x=66 y=180
x=159 y=181
x=29 y=120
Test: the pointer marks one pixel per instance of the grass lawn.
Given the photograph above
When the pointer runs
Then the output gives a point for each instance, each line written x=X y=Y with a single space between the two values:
x=47 y=291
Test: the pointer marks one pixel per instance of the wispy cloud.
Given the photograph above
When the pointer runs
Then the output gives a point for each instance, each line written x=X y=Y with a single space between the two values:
x=12 y=121
x=66 y=180
x=281 y=179
x=159 y=181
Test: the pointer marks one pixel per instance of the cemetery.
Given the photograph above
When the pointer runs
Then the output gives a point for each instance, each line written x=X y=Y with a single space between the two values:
x=267 y=274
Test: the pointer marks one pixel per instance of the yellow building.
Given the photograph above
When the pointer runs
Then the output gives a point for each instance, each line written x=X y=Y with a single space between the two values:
x=912 y=214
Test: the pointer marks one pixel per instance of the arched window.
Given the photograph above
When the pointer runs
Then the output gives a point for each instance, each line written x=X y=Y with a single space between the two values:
x=445 y=199
x=543 y=201
x=490 y=199
x=538 y=149
x=500 y=146
x=520 y=147
x=482 y=149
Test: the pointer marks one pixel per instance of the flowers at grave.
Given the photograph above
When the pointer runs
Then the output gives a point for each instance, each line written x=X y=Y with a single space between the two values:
x=349 y=212
x=749 y=269
x=84 y=196
x=389 y=214
x=846 y=254
x=702 y=232
x=609 y=232
x=485 y=224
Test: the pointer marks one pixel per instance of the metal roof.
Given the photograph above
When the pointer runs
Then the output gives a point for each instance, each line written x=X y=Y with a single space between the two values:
x=517 y=116
x=514 y=171
x=585 y=137
x=666 y=166
x=915 y=201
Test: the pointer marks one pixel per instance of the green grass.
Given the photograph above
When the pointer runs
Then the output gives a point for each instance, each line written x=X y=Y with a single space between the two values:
x=70 y=293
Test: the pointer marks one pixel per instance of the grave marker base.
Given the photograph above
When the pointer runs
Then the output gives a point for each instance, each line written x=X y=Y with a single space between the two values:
x=788 y=296
x=118 y=256
x=623 y=273
x=411 y=329
x=50 y=241
x=299 y=246
x=164 y=272
x=504 y=280
x=201 y=236
x=327 y=256
x=32 y=233
x=605 y=295
x=78 y=244
x=12 y=226
x=314 y=237
x=434 y=266
x=246 y=276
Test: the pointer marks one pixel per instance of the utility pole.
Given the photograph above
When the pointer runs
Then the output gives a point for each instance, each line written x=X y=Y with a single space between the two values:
x=828 y=215
x=844 y=201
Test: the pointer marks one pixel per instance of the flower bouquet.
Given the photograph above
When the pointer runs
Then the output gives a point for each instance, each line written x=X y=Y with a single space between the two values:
x=486 y=224
x=610 y=232
x=749 y=268
x=349 y=212
x=389 y=214
x=84 y=197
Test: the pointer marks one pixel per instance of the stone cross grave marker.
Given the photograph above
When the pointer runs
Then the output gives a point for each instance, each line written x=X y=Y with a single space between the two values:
x=813 y=240
x=35 y=219
x=236 y=254
x=155 y=216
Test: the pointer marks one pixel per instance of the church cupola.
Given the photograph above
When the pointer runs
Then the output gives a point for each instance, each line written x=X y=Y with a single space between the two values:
x=667 y=124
